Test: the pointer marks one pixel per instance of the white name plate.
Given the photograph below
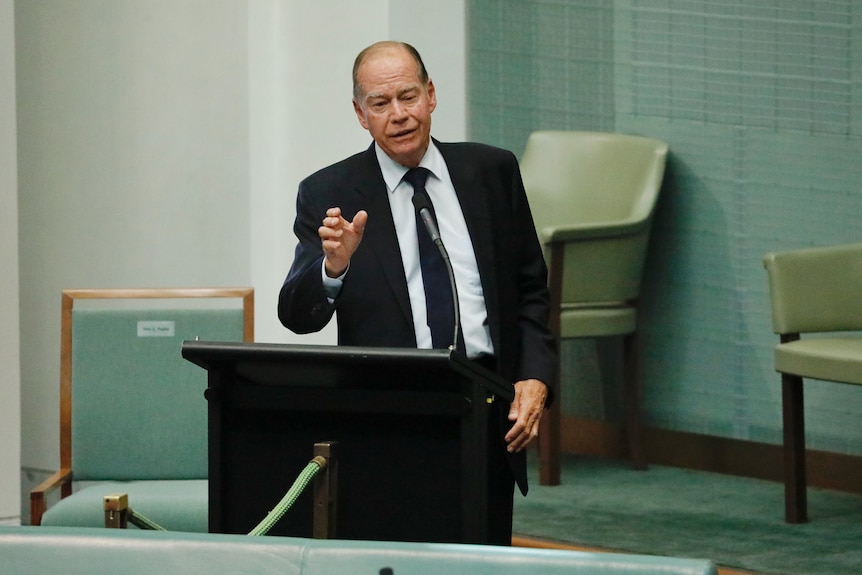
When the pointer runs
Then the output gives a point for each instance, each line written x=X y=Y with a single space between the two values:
x=156 y=328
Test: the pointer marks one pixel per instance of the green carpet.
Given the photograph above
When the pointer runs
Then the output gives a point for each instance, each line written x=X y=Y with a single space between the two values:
x=734 y=521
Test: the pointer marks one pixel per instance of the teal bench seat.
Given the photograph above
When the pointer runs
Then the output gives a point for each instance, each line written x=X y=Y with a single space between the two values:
x=83 y=551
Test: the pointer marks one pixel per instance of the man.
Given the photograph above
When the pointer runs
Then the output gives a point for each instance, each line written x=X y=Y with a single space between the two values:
x=358 y=257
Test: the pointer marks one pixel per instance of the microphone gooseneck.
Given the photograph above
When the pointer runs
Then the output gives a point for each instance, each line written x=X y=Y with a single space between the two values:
x=423 y=207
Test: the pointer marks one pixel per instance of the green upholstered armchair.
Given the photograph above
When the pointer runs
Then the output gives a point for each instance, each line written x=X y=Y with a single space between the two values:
x=592 y=196
x=812 y=291
x=133 y=417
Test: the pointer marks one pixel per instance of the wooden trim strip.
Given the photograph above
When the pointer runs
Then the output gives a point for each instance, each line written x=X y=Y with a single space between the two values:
x=839 y=471
x=154 y=293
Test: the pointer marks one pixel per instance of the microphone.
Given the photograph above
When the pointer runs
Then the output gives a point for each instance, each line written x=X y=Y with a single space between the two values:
x=423 y=206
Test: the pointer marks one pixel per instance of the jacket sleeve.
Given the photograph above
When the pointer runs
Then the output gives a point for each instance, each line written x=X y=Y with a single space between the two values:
x=303 y=306
x=538 y=346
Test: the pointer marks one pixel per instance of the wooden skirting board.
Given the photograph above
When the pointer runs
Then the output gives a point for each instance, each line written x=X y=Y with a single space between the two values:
x=711 y=453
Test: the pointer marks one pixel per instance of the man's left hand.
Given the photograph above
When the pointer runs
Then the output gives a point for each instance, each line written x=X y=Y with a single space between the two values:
x=526 y=412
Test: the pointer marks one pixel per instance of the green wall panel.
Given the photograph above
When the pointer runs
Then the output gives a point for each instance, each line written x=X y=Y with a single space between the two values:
x=538 y=65
x=761 y=103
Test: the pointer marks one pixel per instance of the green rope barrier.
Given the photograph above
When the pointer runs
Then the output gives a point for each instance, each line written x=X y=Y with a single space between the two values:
x=290 y=497
x=302 y=481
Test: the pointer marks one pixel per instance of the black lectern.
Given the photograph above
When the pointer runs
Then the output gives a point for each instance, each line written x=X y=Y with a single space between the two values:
x=411 y=425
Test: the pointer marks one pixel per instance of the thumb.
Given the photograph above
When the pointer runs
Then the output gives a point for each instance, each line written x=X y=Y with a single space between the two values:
x=359 y=221
x=514 y=407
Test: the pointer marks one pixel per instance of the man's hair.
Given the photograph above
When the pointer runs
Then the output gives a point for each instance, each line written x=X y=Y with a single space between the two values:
x=379 y=47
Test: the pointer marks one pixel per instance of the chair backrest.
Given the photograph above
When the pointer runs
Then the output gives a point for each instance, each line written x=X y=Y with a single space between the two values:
x=816 y=289
x=130 y=406
x=600 y=187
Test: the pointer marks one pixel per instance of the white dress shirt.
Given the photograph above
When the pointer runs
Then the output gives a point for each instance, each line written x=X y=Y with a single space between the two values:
x=456 y=238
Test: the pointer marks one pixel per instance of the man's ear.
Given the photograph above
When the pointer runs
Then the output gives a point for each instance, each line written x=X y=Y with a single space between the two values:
x=432 y=95
x=360 y=114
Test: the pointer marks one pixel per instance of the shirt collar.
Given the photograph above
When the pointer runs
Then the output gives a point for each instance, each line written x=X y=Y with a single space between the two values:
x=393 y=171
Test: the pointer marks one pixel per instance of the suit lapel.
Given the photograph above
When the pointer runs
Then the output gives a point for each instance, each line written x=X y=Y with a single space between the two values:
x=380 y=238
x=475 y=199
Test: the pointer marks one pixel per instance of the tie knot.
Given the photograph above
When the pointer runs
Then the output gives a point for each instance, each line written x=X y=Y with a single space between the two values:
x=416 y=177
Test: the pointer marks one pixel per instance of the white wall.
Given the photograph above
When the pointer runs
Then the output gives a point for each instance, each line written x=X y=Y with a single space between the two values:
x=133 y=164
x=10 y=406
x=161 y=143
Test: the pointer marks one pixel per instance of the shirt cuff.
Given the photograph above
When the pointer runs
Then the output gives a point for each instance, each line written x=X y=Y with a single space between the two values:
x=332 y=286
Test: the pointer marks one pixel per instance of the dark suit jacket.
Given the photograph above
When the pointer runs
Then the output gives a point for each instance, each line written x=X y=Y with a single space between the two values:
x=373 y=307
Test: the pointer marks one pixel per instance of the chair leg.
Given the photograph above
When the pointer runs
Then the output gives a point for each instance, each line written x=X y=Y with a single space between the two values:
x=632 y=401
x=549 y=445
x=795 y=489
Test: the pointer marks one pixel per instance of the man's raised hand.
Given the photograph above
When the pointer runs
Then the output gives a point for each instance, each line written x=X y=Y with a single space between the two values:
x=340 y=238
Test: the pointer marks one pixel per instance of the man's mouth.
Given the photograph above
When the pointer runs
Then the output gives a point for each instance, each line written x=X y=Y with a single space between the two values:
x=402 y=135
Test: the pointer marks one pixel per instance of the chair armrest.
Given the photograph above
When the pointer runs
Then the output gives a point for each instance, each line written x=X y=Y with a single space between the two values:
x=578 y=232
x=61 y=479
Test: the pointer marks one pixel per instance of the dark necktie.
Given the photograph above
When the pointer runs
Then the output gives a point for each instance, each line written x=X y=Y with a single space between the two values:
x=438 y=293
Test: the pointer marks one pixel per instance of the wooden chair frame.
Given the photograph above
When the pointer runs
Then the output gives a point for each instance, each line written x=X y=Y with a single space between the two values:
x=549 y=446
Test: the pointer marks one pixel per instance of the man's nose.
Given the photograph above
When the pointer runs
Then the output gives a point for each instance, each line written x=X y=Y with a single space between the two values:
x=399 y=112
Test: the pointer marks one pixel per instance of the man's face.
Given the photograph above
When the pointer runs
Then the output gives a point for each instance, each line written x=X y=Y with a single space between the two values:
x=395 y=107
